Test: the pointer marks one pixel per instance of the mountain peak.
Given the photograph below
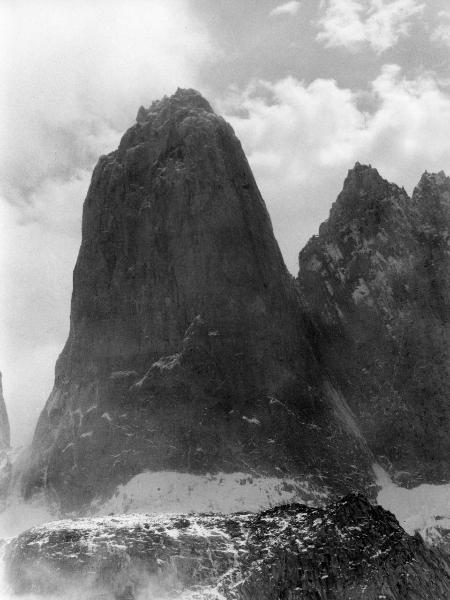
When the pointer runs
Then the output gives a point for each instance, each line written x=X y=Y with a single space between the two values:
x=439 y=180
x=362 y=167
x=431 y=198
x=377 y=277
x=183 y=98
x=364 y=191
x=362 y=177
x=186 y=332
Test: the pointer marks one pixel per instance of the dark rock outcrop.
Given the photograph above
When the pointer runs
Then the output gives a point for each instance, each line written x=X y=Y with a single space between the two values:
x=188 y=348
x=4 y=422
x=349 y=550
x=376 y=283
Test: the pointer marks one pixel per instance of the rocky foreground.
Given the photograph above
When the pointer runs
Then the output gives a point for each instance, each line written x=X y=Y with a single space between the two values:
x=349 y=550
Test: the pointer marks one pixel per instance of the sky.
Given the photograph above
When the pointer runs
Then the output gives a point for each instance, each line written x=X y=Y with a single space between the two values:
x=310 y=87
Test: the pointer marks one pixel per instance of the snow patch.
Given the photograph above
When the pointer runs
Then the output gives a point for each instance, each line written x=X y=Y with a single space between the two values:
x=167 y=363
x=329 y=288
x=339 y=312
x=361 y=291
x=172 y=492
x=252 y=420
x=424 y=509
x=123 y=374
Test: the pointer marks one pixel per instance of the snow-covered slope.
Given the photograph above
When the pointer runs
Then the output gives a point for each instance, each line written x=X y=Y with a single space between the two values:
x=172 y=492
x=424 y=509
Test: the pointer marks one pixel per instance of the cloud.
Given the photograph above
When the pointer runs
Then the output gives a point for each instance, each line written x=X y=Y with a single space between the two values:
x=441 y=33
x=289 y=8
x=73 y=78
x=75 y=75
x=377 y=23
x=302 y=138
x=38 y=249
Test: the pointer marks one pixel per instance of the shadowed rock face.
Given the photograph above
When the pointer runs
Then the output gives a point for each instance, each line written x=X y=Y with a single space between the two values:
x=347 y=551
x=188 y=349
x=376 y=281
x=4 y=422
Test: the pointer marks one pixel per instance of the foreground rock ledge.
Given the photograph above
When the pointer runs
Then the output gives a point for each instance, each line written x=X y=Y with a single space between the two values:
x=349 y=550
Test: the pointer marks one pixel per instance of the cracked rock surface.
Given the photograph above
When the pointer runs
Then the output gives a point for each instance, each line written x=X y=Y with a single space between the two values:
x=347 y=550
x=376 y=283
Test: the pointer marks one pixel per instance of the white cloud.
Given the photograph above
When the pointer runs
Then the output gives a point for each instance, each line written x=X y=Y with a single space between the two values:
x=289 y=8
x=378 y=23
x=441 y=33
x=301 y=139
x=38 y=249
x=73 y=75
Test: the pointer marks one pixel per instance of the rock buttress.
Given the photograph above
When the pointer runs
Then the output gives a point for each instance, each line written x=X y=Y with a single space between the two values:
x=376 y=281
x=187 y=349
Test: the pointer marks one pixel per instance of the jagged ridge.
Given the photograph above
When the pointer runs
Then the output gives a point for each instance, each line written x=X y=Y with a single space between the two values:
x=376 y=282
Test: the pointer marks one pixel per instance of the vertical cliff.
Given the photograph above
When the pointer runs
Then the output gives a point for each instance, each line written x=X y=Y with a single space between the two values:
x=4 y=422
x=188 y=349
x=376 y=281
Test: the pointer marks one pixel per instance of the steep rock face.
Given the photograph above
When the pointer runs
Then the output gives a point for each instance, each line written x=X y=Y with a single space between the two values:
x=349 y=550
x=4 y=422
x=376 y=281
x=5 y=461
x=187 y=347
